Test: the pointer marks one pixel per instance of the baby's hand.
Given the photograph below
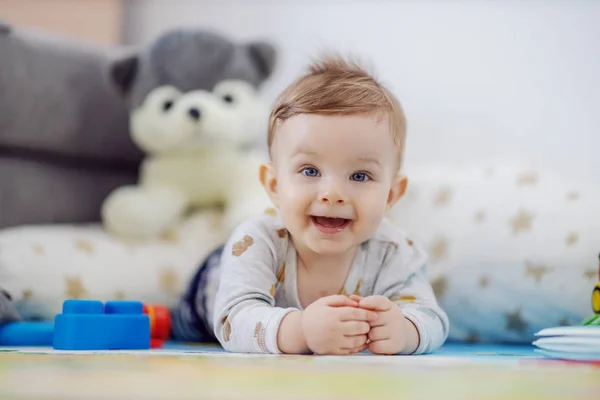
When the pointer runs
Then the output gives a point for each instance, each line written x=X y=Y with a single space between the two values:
x=389 y=333
x=335 y=325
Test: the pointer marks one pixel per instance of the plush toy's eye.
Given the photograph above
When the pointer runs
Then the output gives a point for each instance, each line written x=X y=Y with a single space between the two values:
x=228 y=98
x=167 y=105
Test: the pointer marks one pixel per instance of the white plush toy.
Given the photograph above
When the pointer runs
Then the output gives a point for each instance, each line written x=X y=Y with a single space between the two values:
x=198 y=155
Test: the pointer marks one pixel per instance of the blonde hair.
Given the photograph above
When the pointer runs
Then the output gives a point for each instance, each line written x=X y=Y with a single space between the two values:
x=334 y=86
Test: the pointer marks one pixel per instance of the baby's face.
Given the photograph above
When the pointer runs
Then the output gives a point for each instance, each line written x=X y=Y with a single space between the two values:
x=334 y=177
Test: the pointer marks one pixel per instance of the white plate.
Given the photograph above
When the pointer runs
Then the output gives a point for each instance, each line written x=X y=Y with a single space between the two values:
x=593 y=331
x=570 y=344
x=569 y=356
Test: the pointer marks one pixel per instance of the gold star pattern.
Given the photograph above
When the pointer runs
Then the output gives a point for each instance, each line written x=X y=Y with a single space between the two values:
x=527 y=178
x=75 y=289
x=27 y=294
x=571 y=239
x=521 y=222
x=343 y=292
x=357 y=288
x=38 y=249
x=409 y=242
x=473 y=337
x=272 y=291
x=591 y=274
x=484 y=281
x=281 y=273
x=85 y=246
x=480 y=216
x=271 y=212
x=168 y=281
x=439 y=286
x=439 y=249
x=515 y=322
x=573 y=195
x=170 y=236
x=536 y=271
x=442 y=197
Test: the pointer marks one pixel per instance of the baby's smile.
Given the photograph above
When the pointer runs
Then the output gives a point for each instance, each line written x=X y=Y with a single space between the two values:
x=330 y=225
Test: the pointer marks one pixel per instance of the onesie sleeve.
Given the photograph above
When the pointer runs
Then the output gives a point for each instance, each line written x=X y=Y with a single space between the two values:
x=403 y=279
x=245 y=318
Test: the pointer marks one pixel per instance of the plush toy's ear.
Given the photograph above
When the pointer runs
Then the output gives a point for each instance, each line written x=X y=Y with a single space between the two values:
x=264 y=56
x=124 y=71
x=4 y=28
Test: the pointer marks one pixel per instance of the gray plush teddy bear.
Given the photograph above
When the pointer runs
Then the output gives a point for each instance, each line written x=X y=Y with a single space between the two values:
x=64 y=113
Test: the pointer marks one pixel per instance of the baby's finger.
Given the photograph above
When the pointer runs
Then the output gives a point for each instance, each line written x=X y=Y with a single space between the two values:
x=351 y=328
x=339 y=301
x=376 y=303
x=356 y=350
x=381 y=347
x=356 y=314
x=355 y=298
x=379 y=333
x=351 y=342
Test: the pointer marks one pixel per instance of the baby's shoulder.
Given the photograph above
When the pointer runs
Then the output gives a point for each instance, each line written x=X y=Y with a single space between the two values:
x=264 y=231
x=389 y=233
x=391 y=240
x=267 y=224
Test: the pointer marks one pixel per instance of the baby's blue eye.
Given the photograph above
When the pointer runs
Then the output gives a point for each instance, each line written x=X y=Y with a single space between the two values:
x=360 y=177
x=309 y=171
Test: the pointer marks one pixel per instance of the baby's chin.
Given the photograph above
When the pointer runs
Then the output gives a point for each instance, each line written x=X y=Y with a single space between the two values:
x=329 y=247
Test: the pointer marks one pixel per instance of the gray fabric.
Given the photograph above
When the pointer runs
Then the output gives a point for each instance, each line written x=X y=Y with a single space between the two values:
x=8 y=313
x=62 y=102
x=47 y=192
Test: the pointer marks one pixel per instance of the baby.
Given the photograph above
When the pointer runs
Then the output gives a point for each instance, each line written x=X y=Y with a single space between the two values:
x=323 y=272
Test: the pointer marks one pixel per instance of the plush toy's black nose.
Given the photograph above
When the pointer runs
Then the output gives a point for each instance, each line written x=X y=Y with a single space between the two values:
x=194 y=113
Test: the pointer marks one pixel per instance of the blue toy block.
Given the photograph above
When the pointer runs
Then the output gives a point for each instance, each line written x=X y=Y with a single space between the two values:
x=27 y=334
x=92 y=325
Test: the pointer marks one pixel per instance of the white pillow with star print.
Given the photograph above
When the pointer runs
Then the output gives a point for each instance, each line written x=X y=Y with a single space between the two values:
x=512 y=250
x=41 y=266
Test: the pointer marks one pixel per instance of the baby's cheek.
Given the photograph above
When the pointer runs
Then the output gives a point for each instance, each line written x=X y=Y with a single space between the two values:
x=371 y=211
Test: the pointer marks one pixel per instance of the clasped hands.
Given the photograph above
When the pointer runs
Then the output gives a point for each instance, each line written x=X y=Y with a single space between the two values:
x=344 y=325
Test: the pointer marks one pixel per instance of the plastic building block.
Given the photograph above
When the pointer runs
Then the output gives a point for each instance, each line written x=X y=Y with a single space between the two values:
x=160 y=321
x=92 y=325
x=160 y=324
x=27 y=334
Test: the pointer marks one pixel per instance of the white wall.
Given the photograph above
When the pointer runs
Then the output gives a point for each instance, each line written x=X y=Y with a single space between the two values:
x=478 y=79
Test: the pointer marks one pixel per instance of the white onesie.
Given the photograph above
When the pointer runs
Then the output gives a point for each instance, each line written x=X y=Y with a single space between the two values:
x=257 y=285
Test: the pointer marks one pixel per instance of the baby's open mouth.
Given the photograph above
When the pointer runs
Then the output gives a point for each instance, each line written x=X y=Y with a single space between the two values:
x=330 y=222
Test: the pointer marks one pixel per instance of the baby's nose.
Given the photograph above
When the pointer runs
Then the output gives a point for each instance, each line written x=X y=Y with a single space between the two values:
x=332 y=196
x=194 y=113
x=332 y=200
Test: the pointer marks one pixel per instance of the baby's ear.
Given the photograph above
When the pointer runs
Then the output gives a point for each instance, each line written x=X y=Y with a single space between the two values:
x=397 y=190
x=269 y=181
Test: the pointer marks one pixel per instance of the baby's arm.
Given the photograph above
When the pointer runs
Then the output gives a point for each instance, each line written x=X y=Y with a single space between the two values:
x=403 y=280
x=246 y=319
